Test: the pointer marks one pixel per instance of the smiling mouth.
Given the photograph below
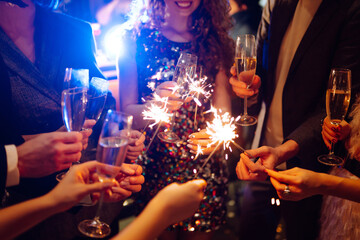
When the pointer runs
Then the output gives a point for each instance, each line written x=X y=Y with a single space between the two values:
x=184 y=4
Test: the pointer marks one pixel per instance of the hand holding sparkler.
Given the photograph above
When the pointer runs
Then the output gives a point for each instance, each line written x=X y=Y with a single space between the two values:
x=246 y=169
x=200 y=143
x=169 y=90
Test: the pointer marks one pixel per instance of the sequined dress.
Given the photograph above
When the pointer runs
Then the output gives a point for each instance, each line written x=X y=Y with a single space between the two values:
x=165 y=163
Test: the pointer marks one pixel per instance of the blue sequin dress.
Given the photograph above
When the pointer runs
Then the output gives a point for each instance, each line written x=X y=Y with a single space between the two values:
x=165 y=163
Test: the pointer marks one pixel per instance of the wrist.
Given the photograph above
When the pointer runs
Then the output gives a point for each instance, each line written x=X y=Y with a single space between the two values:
x=286 y=151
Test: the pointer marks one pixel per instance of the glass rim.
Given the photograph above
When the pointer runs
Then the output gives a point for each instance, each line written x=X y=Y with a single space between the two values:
x=75 y=90
x=340 y=69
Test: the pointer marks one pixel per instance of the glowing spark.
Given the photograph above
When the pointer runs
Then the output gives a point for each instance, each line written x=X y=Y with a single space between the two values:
x=151 y=85
x=157 y=114
x=221 y=129
x=197 y=87
x=198 y=151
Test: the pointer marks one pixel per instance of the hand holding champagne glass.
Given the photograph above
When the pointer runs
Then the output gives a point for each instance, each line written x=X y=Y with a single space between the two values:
x=185 y=67
x=245 y=63
x=112 y=148
x=337 y=103
x=74 y=101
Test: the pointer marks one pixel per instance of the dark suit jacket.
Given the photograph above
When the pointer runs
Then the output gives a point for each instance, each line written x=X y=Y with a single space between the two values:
x=332 y=40
x=34 y=103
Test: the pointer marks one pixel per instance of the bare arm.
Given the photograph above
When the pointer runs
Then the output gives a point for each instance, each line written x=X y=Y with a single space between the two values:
x=304 y=183
x=128 y=86
x=222 y=92
x=172 y=204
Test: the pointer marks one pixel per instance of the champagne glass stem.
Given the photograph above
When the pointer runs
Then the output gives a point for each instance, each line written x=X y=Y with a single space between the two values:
x=172 y=123
x=245 y=106
x=331 y=149
x=100 y=204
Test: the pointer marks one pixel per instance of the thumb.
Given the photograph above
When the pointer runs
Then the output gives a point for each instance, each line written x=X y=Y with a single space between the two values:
x=98 y=187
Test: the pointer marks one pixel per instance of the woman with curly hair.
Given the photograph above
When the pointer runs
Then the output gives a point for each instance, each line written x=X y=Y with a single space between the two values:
x=161 y=30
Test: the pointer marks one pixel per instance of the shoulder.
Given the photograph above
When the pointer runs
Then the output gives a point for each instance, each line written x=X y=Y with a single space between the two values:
x=65 y=23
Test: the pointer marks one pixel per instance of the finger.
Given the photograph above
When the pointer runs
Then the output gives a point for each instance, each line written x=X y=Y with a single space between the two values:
x=69 y=137
x=136 y=180
x=282 y=177
x=326 y=141
x=201 y=142
x=238 y=171
x=233 y=70
x=70 y=158
x=244 y=171
x=251 y=165
x=140 y=140
x=330 y=131
x=277 y=185
x=201 y=183
x=138 y=148
x=121 y=191
x=86 y=133
x=131 y=187
x=256 y=83
x=199 y=135
x=71 y=147
x=329 y=137
x=237 y=84
x=89 y=123
x=127 y=169
x=97 y=187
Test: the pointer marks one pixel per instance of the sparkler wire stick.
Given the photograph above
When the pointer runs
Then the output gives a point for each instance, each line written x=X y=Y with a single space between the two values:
x=152 y=139
x=196 y=107
x=208 y=158
x=242 y=149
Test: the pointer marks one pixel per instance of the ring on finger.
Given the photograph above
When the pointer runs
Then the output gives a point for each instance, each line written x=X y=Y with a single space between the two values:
x=287 y=190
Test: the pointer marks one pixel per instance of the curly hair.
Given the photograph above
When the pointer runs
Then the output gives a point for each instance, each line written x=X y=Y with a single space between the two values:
x=209 y=24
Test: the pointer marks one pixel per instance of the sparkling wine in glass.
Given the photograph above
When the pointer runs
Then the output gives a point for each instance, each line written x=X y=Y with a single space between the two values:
x=185 y=67
x=73 y=104
x=338 y=97
x=112 y=148
x=245 y=62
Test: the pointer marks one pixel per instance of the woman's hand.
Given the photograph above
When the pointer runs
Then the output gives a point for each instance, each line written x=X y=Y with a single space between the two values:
x=179 y=201
x=136 y=145
x=332 y=133
x=302 y=183
x=168 y=89
x=128 y=181
x=78 y=182
x=248 y=170
x=239 y=86
x=200 y=139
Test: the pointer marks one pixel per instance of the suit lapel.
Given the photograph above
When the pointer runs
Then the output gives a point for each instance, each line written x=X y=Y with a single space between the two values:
x=280 y=19
x=326 y=10
x=17 y=62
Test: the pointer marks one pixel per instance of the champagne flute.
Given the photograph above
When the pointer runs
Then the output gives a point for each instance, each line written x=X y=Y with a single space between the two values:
x=97 y=94
x=73 y=105
x=245 y=61
x=74 y=101
x=185 y=67
x=76 y=78
x=338 y=97
x=112 y=148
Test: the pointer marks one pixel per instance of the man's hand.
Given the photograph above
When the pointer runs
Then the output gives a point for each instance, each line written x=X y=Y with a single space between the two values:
x=49 y=153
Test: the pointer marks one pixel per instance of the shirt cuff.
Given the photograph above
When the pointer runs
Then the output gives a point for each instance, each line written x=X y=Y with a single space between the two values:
x=13 y=175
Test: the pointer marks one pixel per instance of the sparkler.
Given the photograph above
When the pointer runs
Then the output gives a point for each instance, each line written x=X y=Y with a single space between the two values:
x=221 y=131
x=198 y=86
x=157 y=113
